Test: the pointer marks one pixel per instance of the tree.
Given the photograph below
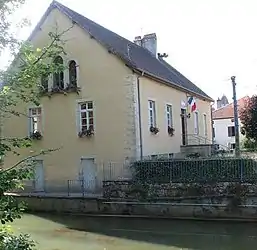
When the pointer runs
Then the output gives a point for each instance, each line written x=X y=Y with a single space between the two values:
x=248 y=117
x=21 y=85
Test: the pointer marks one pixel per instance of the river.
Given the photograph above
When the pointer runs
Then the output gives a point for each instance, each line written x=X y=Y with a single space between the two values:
x=64 y=232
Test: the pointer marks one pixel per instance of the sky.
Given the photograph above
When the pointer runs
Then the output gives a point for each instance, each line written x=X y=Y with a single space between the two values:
x=207 y=41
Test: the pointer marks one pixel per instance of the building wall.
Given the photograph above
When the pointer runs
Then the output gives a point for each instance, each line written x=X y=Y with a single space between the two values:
x=112 y=87
x=105 y=81
x=163 y=143
x=221 y=131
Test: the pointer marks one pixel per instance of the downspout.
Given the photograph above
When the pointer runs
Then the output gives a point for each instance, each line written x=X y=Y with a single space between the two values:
x=139 y=117
x=212 y=125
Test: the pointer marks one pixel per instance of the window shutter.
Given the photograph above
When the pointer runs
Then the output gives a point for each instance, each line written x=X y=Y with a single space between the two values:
x=229 y=131
x=77 y=118
x=149 y=114
x=29 y=123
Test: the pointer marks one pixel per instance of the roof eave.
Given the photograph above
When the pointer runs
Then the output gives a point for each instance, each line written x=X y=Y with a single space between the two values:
x=222 y=118
x=154 y=77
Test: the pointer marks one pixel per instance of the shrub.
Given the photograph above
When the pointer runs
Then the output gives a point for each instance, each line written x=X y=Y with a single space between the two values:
x=249 y=144
x=195 y=170
x=10 y=241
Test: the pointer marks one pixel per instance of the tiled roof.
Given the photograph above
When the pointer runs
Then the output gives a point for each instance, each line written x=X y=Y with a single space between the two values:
x=228 y=110
x=136 y=57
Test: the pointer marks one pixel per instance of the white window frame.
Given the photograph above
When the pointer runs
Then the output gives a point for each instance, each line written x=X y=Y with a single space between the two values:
x=196 y=123
x=86 y=111
x=205 y=125
x=169 y=115
x=152 y=113
x=31 y=117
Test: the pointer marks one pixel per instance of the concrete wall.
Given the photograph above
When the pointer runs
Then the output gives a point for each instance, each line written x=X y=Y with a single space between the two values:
x=187 y=208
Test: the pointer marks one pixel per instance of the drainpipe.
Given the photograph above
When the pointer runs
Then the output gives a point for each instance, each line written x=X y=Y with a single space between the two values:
x=139 y=117
x=212 y=125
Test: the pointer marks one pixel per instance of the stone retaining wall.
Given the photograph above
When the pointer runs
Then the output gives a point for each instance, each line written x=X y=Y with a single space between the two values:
x=130 y=190
x=187 y=208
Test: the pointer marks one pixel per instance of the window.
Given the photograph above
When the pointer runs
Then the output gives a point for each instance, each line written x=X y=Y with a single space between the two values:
x=205 y=124
x=58 y=77
x=86 y=116
x=73 y=73
x=35 y=120
x=154 y=157
x=232 y=146
x=231 y=131
x=152 y=113
x=169 y=115
x=44 y=82
x=196 y=123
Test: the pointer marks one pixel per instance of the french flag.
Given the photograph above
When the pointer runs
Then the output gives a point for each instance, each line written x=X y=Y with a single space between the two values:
x=192 y=103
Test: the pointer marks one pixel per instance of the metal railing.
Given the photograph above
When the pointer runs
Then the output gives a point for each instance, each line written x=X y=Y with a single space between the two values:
x=161 y=170
x=207 y=170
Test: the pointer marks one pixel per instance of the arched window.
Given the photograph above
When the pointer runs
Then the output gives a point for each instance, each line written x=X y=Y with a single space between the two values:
x=73 y=73
x=58 y=80
x=44 y=82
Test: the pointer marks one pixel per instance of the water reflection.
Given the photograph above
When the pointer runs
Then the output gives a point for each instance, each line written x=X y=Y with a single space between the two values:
x=129 y=233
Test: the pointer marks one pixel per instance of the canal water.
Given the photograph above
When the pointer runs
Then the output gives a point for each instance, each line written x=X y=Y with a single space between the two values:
x=55 y=232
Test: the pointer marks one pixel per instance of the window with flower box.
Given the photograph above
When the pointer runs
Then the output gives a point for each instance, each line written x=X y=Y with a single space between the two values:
x=86 y=116
x=169 y=115
x=152 y=113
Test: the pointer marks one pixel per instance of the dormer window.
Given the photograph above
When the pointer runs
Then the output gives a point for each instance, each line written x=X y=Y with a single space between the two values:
x=58 y=76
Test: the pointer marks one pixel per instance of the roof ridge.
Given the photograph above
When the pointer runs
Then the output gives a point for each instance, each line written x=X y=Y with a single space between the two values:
x=116 y=34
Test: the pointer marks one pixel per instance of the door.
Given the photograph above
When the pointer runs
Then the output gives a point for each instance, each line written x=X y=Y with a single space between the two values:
x=88 y=174
x=184 y=126
x=39 y=179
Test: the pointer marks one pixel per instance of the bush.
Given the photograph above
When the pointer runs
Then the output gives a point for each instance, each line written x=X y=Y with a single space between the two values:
x=250 y=144
x=195 y=170
x=10 y=241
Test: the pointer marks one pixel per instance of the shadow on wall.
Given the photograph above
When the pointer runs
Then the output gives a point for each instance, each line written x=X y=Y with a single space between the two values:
x=197 y=235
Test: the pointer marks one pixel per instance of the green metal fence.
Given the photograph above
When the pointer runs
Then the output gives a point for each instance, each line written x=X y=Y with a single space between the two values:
x=195 y=170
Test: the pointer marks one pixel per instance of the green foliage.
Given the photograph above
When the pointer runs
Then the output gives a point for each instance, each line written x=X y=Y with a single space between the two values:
x=248 y=117
x=7 y=8
x=249 y=144
x=22 y=86
x=10 y=180
x=195 y=170
x=10 y=241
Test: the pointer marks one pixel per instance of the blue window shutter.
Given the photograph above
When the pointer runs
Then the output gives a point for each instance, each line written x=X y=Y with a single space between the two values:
x=78 y=117
x=29 y=122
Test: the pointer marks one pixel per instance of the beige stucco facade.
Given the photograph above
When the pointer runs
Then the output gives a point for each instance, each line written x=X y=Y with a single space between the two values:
x=162 y=143
x=112 y=87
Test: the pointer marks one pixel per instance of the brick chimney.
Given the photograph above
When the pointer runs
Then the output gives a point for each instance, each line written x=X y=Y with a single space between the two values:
x=149 y=42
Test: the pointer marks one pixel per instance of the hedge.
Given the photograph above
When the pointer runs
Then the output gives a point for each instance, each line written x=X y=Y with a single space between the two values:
x=195 y=170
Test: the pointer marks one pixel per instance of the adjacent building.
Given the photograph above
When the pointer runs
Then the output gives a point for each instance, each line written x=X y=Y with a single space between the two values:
x=117 y=100
x=224 y=125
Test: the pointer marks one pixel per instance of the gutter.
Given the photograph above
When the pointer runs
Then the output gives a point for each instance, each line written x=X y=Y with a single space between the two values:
x=139 y=116
x=212 y=125
x=140 y=71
